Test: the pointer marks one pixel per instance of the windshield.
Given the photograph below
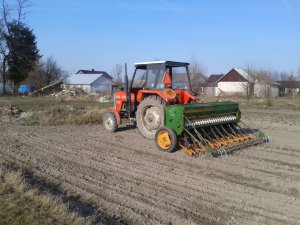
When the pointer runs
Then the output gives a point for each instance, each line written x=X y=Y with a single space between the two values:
x=150 y=78
x=179 y=78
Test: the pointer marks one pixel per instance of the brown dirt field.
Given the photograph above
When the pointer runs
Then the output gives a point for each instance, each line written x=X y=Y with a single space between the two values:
x=127 y=178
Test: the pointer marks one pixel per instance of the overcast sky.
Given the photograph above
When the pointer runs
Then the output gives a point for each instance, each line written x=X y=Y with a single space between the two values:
x=220 y=34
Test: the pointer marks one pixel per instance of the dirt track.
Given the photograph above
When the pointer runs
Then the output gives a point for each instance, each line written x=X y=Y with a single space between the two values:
x=129 y=179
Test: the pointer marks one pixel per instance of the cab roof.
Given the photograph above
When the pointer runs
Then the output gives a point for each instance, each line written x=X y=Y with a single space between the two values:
x=165 y=63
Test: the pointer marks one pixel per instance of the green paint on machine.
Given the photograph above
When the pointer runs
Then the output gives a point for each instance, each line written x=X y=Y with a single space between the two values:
x=175 y=114
x=174 y=118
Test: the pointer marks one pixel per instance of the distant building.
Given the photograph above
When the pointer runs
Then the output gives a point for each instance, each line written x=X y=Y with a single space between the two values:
x=234 y=82
x=266 y=89
x=91 y=81
x=92 y=71
x=239 y=81
x=211 y=85
x=265 y=86
x=289 y=87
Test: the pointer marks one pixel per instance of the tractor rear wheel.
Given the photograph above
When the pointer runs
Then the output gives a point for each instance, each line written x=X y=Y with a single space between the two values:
x=150 y=116
x=166 y=139
x=110 y=122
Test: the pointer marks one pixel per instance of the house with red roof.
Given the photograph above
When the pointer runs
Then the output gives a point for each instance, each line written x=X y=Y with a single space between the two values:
x=239 y=81
x=289 y=87
x=236 y=81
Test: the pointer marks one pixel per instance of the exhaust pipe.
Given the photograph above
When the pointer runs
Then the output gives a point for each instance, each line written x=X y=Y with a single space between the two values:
x=127 y=91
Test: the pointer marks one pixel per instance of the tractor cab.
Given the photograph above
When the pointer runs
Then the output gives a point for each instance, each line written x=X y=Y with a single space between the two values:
x=161 y=74
x=167 y=79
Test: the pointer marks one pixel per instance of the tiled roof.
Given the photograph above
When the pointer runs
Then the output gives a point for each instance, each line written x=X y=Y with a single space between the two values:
x=247 y=75
x=289 y=84
x=214 y=78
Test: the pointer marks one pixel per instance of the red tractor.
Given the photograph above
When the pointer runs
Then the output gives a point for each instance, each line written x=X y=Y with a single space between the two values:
x=165 y=108
x=154 y=85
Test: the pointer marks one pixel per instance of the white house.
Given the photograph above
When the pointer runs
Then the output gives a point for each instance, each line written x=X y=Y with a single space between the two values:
x=236 y=81
x=263 y=89
x=239 y=81
x=90 y=83
x=265 y=86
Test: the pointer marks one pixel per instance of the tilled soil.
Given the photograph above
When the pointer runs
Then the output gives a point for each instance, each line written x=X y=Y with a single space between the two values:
x=127 y=178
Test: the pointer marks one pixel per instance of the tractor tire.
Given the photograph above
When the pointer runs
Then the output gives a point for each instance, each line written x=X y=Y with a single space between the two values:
x=166 y=139
x=110 y=122
x=150 y=116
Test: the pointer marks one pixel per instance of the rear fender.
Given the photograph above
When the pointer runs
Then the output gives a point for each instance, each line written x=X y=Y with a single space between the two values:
x=117 y=114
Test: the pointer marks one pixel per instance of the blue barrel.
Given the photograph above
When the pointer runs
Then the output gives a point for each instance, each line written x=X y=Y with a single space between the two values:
x=25 y=89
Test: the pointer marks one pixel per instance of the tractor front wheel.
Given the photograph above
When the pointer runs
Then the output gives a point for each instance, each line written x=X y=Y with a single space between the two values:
x=150 y=116
x=166 y=139
x=110 y=122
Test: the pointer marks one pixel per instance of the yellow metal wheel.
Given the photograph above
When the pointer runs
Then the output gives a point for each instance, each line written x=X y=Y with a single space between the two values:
x=166 y=139
x=163 y=139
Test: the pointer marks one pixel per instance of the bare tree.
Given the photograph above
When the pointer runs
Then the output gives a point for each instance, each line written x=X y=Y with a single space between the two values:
x=284 y=75
x=248 y=85
x=274 y=75
x=52 y=72
x=8 y=14
x=117 y=71
x=264 y=83
x=35 y=77
x=195 y=66
x=46 y=72
x=197 y=72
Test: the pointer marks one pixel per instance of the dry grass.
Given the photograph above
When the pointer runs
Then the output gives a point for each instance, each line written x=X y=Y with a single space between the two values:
x=49 y=111
x=90 y=116
x=21 y=204
x=37 y=104
x=68 y=115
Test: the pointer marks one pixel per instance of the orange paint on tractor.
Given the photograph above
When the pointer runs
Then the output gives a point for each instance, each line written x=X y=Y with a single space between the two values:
x=120 y=99
x=182 y=97
x=185 y=97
